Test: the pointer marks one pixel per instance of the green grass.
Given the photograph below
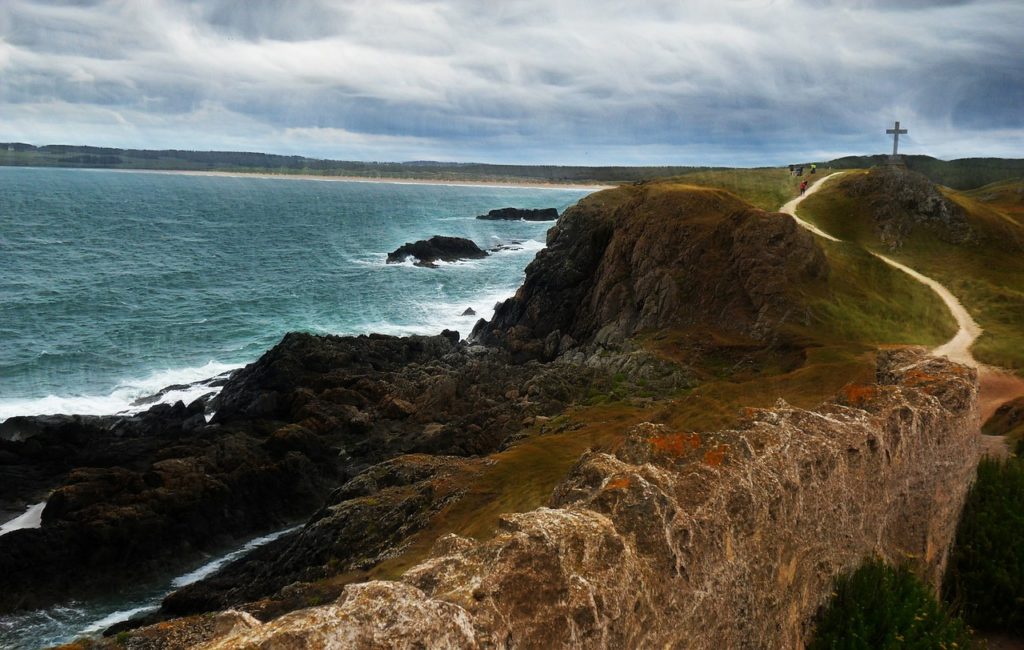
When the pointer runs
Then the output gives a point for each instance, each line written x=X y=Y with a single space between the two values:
x=870 y=302
x=987 y=274
x=766 y=188
x=985 y=577
x=881 y=608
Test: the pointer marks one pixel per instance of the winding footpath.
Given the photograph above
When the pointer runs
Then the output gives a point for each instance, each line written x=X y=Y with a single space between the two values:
x=995 y=386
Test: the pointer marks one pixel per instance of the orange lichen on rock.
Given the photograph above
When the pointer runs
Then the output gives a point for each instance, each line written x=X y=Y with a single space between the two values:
x=675 y=444
x=715 y=457
x=618 y=484
x=858 y=394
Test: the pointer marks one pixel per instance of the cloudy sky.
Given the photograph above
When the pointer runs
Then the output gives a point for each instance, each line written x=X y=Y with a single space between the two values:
x=724 y=82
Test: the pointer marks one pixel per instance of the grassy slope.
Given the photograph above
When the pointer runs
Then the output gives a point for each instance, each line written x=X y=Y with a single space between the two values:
x=987 y=275
x=865 y=304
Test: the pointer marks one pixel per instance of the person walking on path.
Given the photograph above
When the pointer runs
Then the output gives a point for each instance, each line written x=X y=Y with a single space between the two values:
x=803 y=187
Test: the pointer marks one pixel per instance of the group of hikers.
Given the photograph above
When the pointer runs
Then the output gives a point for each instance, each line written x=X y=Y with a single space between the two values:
x=798 y=170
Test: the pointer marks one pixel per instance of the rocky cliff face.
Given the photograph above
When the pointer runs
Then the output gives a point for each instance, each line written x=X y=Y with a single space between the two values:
x=728 y=539
x=655 y=256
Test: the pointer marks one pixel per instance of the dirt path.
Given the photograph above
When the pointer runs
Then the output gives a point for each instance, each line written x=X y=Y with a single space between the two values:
x=995 y=386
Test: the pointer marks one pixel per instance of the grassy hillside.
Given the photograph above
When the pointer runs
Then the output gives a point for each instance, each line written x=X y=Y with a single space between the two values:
x=985 y=273
x=1005 y=197
x=862 y=305
x=960 y=174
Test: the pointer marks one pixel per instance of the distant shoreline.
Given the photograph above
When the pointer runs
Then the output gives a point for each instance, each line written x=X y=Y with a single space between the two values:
x=541 y=185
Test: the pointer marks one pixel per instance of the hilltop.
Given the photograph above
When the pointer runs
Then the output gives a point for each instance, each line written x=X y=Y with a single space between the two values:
x=959 y=174
x=973 y=242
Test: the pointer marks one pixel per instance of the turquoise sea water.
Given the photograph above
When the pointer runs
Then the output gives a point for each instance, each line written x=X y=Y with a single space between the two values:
x=114 y=285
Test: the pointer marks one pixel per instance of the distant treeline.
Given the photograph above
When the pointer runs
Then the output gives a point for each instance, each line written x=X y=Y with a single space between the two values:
x=17 y=153
x=960 y=174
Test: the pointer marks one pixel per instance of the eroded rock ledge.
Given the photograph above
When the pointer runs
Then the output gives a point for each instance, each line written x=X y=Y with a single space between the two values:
x=729 y=539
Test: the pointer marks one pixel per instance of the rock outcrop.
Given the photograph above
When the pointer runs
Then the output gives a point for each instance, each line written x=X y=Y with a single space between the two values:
x=130 y=494
x=722 y=540
x=520 y=214
x=902 y=201
x=427 y=252
x=655 y=256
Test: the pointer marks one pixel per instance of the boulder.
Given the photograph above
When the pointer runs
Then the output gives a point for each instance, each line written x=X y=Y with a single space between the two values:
x=520 y=214
x=428 y=251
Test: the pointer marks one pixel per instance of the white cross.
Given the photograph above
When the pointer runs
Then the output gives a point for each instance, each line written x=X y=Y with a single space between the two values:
x=895 y=132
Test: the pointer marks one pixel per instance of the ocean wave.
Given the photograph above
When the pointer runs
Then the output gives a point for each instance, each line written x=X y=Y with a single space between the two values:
x=127 y=397
x=430 y=317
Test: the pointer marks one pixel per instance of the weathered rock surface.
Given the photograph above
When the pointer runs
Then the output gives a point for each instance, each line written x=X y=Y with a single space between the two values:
x=132 y=494
x=901 y=201
x=363 y=521
x=520 y=214
x=428 y=251
x=722 y=540
x=655 y=256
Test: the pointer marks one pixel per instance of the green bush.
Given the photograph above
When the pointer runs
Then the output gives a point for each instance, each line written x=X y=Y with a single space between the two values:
x=985 y=579
x=879 y=607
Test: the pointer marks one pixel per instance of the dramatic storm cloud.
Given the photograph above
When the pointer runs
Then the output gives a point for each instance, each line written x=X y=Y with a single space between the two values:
x=594 y=82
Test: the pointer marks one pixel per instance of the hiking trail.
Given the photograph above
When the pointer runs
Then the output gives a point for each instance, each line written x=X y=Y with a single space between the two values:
x=995 y=386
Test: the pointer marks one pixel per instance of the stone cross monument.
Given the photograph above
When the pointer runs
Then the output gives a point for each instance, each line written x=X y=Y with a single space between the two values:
x=895 y=133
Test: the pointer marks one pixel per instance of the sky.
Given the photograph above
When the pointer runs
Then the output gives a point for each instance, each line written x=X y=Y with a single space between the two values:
x=588 y=82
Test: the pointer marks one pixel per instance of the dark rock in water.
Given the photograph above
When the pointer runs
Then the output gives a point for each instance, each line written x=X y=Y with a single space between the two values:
x=506 y=246
x=521 y=214
x=445 y=249
x=469 y=312
x=659 y=255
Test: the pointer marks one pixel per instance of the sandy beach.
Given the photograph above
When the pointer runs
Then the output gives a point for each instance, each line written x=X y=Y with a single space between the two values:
x=362 y=179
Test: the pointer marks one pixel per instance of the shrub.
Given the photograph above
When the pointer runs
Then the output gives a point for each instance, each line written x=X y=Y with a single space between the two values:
x=985 y=579
x=879 y=607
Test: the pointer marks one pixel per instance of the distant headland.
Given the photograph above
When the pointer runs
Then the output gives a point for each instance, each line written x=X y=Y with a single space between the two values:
x=958 y=174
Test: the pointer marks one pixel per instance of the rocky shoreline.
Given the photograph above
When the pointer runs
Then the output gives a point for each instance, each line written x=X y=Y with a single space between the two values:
x=372 y=439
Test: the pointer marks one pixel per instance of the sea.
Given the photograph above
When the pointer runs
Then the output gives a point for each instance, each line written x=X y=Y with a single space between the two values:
x=115 y=285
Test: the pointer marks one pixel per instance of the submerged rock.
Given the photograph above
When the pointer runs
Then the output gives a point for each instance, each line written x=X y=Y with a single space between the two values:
x=521 y=214
x=428 y=251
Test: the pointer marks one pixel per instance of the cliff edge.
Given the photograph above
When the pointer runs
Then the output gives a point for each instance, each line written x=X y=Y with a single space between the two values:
x=725 y=539
x=652 y=256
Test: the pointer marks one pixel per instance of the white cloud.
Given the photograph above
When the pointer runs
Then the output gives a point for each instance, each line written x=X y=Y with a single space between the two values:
x=535 y=80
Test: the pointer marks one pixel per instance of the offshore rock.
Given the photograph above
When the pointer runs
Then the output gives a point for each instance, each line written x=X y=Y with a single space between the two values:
x=722 y=540
x=520 y=214
x=655 y=256
x=428 y=251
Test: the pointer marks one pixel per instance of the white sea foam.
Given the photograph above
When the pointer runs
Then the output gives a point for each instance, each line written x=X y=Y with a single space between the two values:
x=116 y=617
x=31 y=518
x=124 y=398
x=430 y=317
x=212 y=566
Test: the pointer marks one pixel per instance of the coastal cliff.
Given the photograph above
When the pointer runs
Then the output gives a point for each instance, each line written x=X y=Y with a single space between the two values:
x=656 y=256
x=673 y=528
x=725 y=539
